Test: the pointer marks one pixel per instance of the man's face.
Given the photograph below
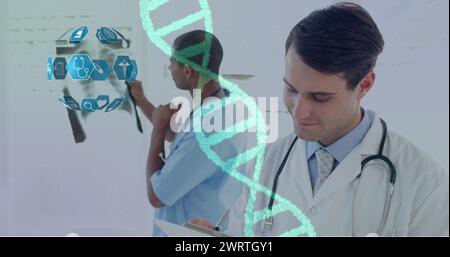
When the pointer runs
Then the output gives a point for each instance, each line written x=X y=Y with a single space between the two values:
x=178 y=75
x=321 y=105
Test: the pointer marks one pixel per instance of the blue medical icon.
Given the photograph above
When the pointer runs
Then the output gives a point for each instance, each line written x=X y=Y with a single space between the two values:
x=101 y=70
x=78 y=35
x=111 y=36
x=106 y=35
x=70 y=103
x=92 y=104
x=115 y=104
x=89 y=104
x=80 y=67
x=50 y=68
x=123 y=67
x=59 y=68
x=134 y=71
x=102 y=98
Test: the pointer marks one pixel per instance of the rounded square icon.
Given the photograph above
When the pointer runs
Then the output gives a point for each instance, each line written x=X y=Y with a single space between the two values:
x=101 y=70
x=50 y=68
x=78 y=35
x=123 y=67
x=59 y=68
x=80 y=67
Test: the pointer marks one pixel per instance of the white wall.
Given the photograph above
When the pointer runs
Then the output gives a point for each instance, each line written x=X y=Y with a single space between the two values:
x=412 y=86
x=56 y=186
x=51 y=186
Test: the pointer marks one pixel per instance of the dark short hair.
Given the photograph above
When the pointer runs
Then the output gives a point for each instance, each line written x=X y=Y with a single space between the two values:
x=196 y=37
x=341 y=38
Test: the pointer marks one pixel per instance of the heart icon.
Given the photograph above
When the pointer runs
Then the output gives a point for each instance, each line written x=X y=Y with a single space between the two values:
x=102 y=101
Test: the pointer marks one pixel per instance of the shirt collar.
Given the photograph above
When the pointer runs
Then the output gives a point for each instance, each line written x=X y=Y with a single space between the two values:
x=345 y=144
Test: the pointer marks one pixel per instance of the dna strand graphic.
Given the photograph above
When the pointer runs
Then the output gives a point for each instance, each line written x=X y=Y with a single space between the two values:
x=236 y=94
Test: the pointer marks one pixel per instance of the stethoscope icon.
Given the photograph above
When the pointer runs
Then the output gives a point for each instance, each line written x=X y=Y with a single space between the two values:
x=80 y=67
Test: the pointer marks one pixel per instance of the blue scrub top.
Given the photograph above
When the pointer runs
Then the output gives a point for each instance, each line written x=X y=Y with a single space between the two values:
x=191 y=185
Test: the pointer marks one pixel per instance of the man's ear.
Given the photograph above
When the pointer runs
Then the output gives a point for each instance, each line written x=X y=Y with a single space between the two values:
x=366 y=84
x=188 y=71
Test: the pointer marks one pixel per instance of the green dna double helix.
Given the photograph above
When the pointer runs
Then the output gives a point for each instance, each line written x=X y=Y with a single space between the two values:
x=236 y=94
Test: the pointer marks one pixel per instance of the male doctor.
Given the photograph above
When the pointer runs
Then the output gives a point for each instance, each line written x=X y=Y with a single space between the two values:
x=329 y=69
x=187 y=184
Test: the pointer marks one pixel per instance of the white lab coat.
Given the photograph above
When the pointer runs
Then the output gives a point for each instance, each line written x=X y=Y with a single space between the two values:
x=420 y=204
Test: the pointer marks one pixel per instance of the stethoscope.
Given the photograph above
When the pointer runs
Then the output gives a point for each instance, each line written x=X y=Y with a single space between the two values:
x=79 y=68
x=268 y=224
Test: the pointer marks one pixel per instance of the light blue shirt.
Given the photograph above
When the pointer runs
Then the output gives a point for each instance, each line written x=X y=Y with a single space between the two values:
x=190 y=185
x=341 y=148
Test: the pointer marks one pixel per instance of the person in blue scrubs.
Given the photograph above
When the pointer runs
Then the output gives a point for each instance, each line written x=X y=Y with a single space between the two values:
x=187 y=184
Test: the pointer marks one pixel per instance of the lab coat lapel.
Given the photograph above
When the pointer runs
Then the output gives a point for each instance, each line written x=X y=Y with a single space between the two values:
x=372 y=140
x=344 y=173
x=298 y=166
x=350 y=167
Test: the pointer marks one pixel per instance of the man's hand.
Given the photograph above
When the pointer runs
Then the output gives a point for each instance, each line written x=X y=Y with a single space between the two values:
x=149 y=110
x=202 y=222
x=137 y=92
x=162 y=116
